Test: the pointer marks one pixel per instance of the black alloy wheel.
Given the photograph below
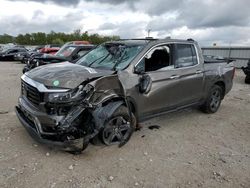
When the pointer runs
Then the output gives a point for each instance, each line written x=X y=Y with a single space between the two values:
x=116 y=131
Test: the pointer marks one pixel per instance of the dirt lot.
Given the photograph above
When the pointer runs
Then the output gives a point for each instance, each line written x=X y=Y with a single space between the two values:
x=191 y=149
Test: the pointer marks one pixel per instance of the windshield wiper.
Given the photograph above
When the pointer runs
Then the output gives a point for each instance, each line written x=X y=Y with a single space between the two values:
x=120 y=60
x=104 y=57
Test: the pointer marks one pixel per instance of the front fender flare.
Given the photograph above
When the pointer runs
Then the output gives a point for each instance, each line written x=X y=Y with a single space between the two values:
x=101 y=114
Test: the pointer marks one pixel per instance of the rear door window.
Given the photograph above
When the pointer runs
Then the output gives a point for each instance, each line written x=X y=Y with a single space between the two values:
x=186 y=55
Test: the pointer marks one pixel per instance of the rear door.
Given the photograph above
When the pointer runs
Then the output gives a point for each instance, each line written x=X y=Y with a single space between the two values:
x=190 y=72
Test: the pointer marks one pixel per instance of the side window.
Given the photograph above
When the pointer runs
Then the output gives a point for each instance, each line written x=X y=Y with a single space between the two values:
x=12 y=51
x=157 y=59
x=186 y=55
x=82 y=52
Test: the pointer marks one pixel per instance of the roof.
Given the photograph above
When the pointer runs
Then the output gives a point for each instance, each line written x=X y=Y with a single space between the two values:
x=80 y=45
x=149 y=40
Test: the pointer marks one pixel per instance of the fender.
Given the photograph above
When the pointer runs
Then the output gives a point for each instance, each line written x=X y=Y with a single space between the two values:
x=102 y=113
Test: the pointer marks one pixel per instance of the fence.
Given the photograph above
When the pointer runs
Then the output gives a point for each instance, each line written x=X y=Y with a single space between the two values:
x=240 y=54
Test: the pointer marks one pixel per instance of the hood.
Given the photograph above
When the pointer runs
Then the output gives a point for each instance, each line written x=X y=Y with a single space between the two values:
x=65 y=75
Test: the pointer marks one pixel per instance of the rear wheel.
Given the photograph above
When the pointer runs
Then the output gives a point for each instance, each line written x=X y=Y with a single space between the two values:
x=118 y=128
x=213 y=100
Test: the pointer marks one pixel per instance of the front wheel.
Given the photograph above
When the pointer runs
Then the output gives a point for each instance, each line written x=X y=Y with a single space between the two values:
x=118 y=128
x=213 y=100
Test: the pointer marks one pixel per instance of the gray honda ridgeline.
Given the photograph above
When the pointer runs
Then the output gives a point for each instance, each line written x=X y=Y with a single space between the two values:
x=116 y=85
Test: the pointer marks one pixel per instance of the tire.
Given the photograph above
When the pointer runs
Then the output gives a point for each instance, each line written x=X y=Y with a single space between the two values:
x=118 y=126
x=247 y=80
x=213 y=100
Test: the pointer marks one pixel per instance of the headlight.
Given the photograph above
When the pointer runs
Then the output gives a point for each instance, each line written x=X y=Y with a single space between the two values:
x=79 y=93
x=28 y=63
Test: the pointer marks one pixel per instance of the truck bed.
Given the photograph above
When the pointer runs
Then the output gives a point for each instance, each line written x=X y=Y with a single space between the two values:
x=216 y=59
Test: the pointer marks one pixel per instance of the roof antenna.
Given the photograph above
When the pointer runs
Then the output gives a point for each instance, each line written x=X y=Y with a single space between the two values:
x=149 y=33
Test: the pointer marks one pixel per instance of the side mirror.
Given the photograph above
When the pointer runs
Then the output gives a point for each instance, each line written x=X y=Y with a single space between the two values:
x=139 y=70
x=76 y=56
x=145 y=84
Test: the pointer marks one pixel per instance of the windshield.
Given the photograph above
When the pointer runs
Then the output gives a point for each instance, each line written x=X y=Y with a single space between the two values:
x=66 y=51
x=111 y=56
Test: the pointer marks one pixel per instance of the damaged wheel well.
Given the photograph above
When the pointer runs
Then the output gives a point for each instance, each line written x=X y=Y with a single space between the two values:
x=130 y=103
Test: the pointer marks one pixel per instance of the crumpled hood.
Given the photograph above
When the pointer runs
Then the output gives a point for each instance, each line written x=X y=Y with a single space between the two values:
x=65 y=75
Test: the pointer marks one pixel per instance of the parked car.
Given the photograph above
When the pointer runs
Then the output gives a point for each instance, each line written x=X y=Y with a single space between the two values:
x=8 y=54
x=24 y=56
x=246 y=70
x=115 y=86
x=50 y=49
x=78 y=42
x=70 y=53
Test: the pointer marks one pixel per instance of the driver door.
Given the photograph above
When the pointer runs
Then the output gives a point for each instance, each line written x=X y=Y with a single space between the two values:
x=164 y=82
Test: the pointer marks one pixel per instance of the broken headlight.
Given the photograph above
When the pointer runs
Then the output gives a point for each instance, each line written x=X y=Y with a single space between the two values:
x=73 y=95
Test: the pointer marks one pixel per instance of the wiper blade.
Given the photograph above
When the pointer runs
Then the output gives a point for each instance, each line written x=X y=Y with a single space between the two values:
x=95 y=61
x=120 y=60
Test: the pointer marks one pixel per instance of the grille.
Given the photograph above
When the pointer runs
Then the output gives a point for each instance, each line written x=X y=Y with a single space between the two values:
x=31 y=93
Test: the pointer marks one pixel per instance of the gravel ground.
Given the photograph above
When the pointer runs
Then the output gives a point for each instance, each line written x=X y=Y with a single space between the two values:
x=191 y=149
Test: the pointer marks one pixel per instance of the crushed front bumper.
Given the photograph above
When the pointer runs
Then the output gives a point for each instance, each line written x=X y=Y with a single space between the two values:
x=32 y=125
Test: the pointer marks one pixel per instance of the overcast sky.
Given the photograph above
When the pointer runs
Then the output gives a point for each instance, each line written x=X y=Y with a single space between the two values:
x=207 y=21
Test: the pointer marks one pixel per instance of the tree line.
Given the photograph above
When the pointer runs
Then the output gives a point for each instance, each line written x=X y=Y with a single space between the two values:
x=41 y=38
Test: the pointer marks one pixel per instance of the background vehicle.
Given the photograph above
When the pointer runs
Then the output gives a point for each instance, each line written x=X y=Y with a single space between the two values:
x=115 y=86
x=50 y=48
x=246 y=70
x=70 y=53
x=24 y=56
x=80 y=42
x=8 y=54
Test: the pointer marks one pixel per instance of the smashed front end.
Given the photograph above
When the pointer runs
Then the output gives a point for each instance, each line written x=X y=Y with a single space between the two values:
x=57 y=117
x=68 y=118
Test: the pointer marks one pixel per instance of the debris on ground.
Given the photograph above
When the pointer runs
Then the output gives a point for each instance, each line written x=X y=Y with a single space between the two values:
x=110 y=178
x=152 y=127
x=3 y=112
x=71 y=167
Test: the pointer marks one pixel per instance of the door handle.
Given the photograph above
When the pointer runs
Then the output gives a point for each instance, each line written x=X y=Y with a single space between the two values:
x=174 y=77
x=198 y=72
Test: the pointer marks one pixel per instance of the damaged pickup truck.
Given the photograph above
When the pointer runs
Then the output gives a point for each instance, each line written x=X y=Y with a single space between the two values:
x=113 y=87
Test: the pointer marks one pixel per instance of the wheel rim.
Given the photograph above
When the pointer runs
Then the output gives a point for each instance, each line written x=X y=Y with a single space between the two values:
x=215 y=100
x=116 y=130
